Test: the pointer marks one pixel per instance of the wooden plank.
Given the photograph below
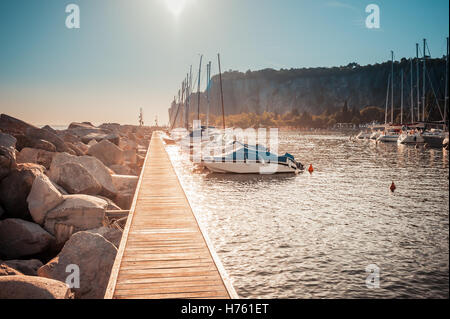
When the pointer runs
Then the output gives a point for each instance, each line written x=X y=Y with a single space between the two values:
x=164 y=253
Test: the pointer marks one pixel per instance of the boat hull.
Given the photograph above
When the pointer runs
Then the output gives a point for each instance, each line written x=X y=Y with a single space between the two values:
x=248 y=168
x=411 y=139
x=388 y=138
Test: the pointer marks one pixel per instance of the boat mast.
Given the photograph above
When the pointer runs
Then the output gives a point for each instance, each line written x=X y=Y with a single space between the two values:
x=401 y=99
x=221 y=91
x=198 y=88
x=418 y=81
x=392 y=88
x=189 y=91
x=446 y=89
x=208 y=82
x=387 y=102
x=424 y=80
x=411 y=93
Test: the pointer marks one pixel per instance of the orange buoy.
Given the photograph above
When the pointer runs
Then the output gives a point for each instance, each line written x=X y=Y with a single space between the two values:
x=393 y=187
x=310 y=169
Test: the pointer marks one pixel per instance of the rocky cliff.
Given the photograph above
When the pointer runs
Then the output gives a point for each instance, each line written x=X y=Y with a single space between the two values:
x=314 y=89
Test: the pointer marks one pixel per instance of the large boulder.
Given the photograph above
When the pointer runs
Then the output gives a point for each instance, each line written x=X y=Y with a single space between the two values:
x=20 y=238
x=15 y=187
x=130 y=156
x=7 y=140
x=24 y=141
x=37 y=156
x=126 y=187
x=125 y=183
x=76 y=213
x=11 y=125
x=93 y=165
x=111 y=204
x=106 y=152
x=111 y=234
x=7 y=160
x=76 y=179
x=43 y=197
x=37 y=133
x=98 y=136
x=127 y=144
x=76 y=151
x=31 y=287
x=50 y=129
x=26 y=267
x=6 y=270
x=94 y=256
x=121 y=169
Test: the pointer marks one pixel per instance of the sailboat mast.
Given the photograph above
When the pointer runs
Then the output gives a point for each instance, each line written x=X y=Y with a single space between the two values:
x=392 y=88
x=411 y=92
x=418 y=81
x=446 y=88
x=221 y=91
x=387 y=101
x=401 y=103
x=424 y=84
x=198 y=88
x=208 y=82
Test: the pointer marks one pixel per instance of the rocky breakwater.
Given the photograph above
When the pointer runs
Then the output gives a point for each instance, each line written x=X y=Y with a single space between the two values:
x=60 y=194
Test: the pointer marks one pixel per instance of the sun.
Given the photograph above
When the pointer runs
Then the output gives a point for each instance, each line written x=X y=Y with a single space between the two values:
x=175 y=6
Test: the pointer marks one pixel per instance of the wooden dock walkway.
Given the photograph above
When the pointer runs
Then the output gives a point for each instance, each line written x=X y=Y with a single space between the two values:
x=164 y=253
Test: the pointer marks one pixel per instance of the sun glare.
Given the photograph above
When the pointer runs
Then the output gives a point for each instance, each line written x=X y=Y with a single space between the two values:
x=176 y=6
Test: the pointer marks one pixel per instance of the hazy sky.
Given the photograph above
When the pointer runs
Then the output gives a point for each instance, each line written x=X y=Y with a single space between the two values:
x=134 y=53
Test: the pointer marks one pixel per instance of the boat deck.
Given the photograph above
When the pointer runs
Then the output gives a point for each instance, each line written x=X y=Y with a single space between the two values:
x=163 y=252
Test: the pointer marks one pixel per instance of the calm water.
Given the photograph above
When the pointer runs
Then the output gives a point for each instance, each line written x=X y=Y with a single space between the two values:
x=312 y=236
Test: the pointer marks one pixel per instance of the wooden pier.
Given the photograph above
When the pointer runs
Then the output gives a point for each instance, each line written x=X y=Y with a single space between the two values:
x=163 y=252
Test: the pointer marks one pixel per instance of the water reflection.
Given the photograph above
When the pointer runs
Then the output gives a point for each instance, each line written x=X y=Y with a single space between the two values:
x=312 y=236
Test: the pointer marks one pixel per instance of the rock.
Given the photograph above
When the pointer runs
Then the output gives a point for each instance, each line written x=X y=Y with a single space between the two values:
x=83 y=125
x=6 y=270
x=111 y=204
x=37 y=156
x=83 y=147
x=7 y=141
x=125 y=183
x=11 y=125
x=43 y=197
x=7 y=161
x=98 y=136
x=126 y=187
x=26 y=267
x=106 y=152
x=50 y=129
x=93 y=165
x=124 y=199
x=140 y=160
x=112 y=235
x=31 y=287
x=75 y=179
x=127 y=144
x=37 y=133
x=130 y=156
x=15 y=187
x=121 y=169
x=75 y=149
x=76 y=213
x=24 y=141
x=92 y=142
x=19 y=238
x=94 y=256
x=71 y=138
